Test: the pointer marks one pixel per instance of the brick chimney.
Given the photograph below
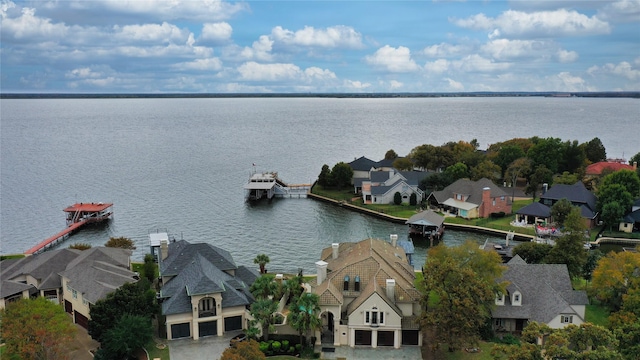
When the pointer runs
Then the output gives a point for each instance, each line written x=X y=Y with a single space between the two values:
x=164 y=249
x=321 y=267
x=486 y=202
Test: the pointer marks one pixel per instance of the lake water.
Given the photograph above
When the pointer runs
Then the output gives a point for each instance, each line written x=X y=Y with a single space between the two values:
x=178 y=165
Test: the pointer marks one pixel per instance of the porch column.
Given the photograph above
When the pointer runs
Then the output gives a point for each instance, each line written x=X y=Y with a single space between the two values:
x=352 y=337
x=374 y=339
x=396 y=339
x=336 y=332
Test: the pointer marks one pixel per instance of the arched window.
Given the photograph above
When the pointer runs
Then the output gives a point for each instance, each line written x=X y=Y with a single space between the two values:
x=207 y=307
x=356 y=283
x=346 y=283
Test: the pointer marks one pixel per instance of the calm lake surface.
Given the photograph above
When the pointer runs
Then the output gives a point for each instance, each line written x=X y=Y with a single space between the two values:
x=178 y=165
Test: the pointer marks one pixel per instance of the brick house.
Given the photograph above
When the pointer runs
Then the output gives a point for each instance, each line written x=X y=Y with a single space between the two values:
x=471 y=199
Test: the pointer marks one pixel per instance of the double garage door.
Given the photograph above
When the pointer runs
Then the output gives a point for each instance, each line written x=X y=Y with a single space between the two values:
x=208 y=328
x=384 y=338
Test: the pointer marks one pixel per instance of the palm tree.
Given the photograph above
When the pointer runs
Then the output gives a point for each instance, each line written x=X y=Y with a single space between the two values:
x=263 y=312
x=262 y=260
x=263 y=287
x=304 y=314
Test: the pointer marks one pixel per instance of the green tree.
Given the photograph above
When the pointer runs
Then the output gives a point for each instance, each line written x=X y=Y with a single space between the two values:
x=540 y=176
x=569 y=248
x=304 y=314
x=150 y=268
x=560 y=210
x=131 y=298
x=413 y=199
x=460 y=286
x=244 y=350
x=519 y=168
x=613 y=202
x=435 y=182
x=486 y=169
x=120 y=242
x=595 y=151
x=390 y=155
x=548 y=152
x=36 y=329
x=566 y=178
x=403 y=164
x=507 y=155
x=128 y=334
x=342 y=175
x=421 y=155
x=591 y=263
x=324 y=179
x=574 y=157
x=80 y=246
x=263 y=312
x=627 y=178
x=263 y=287
x=635 y=159
x=397 y=198
x=262 y=260
x=532 y=252
x=457 y=171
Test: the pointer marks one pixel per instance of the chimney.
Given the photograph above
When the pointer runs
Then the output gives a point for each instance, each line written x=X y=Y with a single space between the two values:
x=164 y=249
x=545 y=187
x=321 y=266
x=334 y=249
x=635 y=165
x=391 y=289
x=394 y=240
x=486 y=202
x=279 y=278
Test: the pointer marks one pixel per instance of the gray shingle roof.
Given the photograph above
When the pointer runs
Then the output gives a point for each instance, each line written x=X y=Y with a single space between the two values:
x=95 y=279
x=473 y=189
x=535 y=209
x=362 y=164
x=199 y=269
x=546 y=291
x=427 y=217
x=632 y=217
x=575 y=193
x=414 y=177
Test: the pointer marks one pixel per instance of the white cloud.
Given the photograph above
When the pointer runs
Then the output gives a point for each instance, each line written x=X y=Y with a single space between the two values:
x=316 y=73
x=356 y=85
x=455 y=85
x=478 y=63
x=555 y=23
x=207 y=10
x=152 y=33
x=392 y=59
x=209 y=64
x=621 y=11
x=395 y=84
x=260 y=50
x=571 y=83
x=331 y=37
x=445 y=50
x=29 y=27
x=504 y=49
x=438 y=66
x=565 y=56
x=216 y=32
x=623 y=69
x=253 y=71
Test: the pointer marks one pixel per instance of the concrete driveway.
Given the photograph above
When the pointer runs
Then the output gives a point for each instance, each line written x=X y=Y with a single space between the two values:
x=206 y=348
x=212 y=347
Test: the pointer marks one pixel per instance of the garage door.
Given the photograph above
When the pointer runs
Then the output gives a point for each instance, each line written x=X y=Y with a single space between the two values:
x=81 y=320
x=410 y=337
x=180 y=331
x=385 y=338
x=363 y=337
x=208 y=328
x=68 y=307
x=233 y=323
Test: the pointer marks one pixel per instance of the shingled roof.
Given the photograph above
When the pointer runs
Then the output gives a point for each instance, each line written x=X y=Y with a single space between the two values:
x=576 y=193
x=200 y=268
x=535 y=209
x=363 y=164
x=546 y=291
x=472 y=189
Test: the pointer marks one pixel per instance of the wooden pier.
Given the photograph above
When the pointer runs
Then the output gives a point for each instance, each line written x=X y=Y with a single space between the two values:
x=78 y=215
x=269 y=185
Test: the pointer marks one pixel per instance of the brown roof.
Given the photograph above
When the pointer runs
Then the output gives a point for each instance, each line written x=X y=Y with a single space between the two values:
x=599 y=167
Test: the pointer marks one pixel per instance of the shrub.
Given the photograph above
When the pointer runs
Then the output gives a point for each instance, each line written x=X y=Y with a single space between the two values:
x=397 y=198
x=276 y=345
x=264 y=346
x=298 y=347
x=510 y=340
x=498 y=215
x=413 y=199
x=285 y=345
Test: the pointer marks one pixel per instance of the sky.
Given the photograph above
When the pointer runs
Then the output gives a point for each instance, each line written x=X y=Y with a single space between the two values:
x=347 y=46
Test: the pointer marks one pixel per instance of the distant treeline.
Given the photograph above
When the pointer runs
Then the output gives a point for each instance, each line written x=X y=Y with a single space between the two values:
x=618 y=94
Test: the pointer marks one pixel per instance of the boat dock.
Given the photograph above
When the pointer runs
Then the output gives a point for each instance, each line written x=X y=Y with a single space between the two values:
x=268 y=185
x=78 y=215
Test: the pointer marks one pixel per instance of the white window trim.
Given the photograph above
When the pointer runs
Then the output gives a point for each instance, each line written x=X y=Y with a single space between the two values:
x=566 y=319
x=368 y=316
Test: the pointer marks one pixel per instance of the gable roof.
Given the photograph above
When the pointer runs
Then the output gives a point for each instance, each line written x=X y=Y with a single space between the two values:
x=576 y=193
x=472 y=189
x=535 y=209
x=199 y=269
x=546 y=291
x=632 y=217
x=427 y=217
x=363 y=164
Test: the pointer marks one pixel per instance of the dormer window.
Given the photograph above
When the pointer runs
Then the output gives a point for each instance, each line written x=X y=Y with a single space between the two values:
x=356 y=284
x=499 y=299
x=516 y=299
x=458 y=197
x=346 y=283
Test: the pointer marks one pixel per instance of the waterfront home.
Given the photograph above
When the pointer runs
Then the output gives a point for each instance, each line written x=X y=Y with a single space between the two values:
x=367 y=296
x=471 y=199
x=596 y=170
x=533 y=214
x=381 y=186
x=537 y=292
x=203 y=292
x=631 y=220
x=71 y=277
x=578 y=195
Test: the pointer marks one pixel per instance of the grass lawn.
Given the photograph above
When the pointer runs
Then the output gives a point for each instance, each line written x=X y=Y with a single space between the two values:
x=596 y=314
x=483 y=354
x=155 y=353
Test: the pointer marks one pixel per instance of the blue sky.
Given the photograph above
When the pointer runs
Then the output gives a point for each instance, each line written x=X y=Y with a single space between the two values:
x=209 y=46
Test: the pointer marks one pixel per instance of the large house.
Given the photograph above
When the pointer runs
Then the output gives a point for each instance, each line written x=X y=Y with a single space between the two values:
x=203 y=291
x=71 y=277
x=578 y=195
x=537 y=292
x=471 y=199
x=367 y=296
x=631 y=221
x=596 y=170
x=381 y=186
